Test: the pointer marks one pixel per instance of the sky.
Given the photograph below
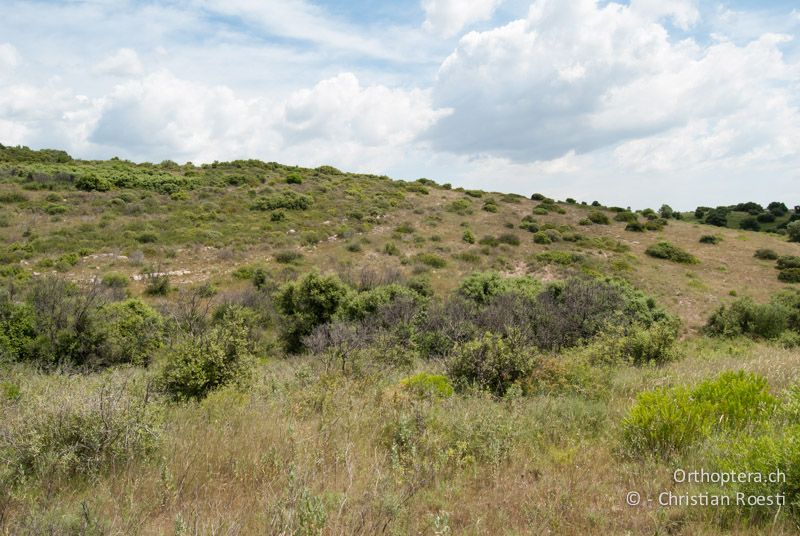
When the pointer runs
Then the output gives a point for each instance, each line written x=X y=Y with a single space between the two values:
x=633 y=103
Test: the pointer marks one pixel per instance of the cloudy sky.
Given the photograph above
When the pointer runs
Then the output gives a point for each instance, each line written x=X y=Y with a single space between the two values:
x=637 y=103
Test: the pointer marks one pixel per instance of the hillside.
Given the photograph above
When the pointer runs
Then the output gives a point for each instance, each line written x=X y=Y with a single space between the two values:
x=252 y=348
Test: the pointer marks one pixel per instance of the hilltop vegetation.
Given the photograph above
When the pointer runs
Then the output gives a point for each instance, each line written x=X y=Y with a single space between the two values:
x=247 y=347
x=776 y=217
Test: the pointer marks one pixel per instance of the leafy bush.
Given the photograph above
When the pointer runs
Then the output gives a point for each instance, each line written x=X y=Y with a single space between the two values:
x=598 y=217
x=491 y=362
x=564 y=258
x=90 y=182
x=468 y=237
x=361 y=305
x=749 y=224
x=788 y=261
x=766 y=254
x=626 y=216
x=131 y=330
x=307 y=303
x=635 y=227
x=665 y=250
x=288 y=200
x=746 y=317
x=294 y=178
x=288 y=256
x=157 y=284
x=793 y=231
x=198 y=365
x=509 y=239
x=115 y=280
x=789 y=275
x=390 y=248
x=717 y=217
x=665 y=422
x=462 y=207
x=710 y=239
x=490 y=205
x=430 y=259
x=426 y=385
x=76 y=426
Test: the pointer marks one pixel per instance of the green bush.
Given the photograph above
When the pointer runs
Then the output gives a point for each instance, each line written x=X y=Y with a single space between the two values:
x=157 y=284
x=746 y=317
x=480 y=287
x=430 y=259
x=490 y=205
x=361 y=305
x=665 y=422
x=564 y=258
x=509 y=239
x=91 y=182
x=793 y=231
x=766 y=254
x=132 y=332
x=75 y=426
x=468 y=237
x=198 y=365
x=598 y=217
x=390 y=248
x=294 y=178
x=635 y=227
x=492 y=362
x=665 y=250
x=308 y=303
x=542 y=238
x=18 y=330
x=462 y=207
x=426 y=385
x=626 y=216
x=115 y=280
x=788 y=261
x=288 y=256
x=710 y=239
x=288 y=200
x=789 y=275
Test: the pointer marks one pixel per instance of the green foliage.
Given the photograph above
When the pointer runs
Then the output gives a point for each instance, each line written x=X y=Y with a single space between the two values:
x=294 y=178
x=480 y=287
x=359 y=306
x=793 y=231
x=288 y=256
x=490 y=205
x=665 y=250
x=462 y=207
x=710 y=239
x=425 y=385
x=746 y=317
x=598 y=217
x=666 y=212
x=76 y=427
x=115 y=280
x=197 y=366
x=665 y=422
x=492 y=362
x=717 y=216
x=749 y=224
x=132 y=332
x=508 y=239
x=468 y=237
x=18 y=330
x=789 y=275
x=157 y=284
x=404 y=228
x=626 y=216
x=430 y=259
x=390 y=248
x=90 y=183
x=788 y=261
x=635 y=227
x=308 y=303
x=766 y=254
x=564 y=258
x=288 y=200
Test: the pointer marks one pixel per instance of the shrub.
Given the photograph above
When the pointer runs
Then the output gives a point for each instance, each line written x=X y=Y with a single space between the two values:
x=354 y=247
x=361 y=305
x=598 y=217
x=788 y=261
x=793 y=231
x=490 y=205
x=749 y=224
x=563 y=258
x=115 y=280
x=405 y=228
x=626 y=216
x=390 y=248
x=468 y=237
x=288 y=256
x=766 y=217
x=147 y=238
x=710 y=239
x=277 y=215
x=198 y=365
x=132 y=331
x=635 y=227
x=665 y=422
x=157 y=284
x=491 y=362
x=474 y=193
x=462 y=207
x=789 y=275
x=538 y=197
x=585 y=221
x=542 y=238
x=308 y=303
x=766 y=254
x=18 y=330
x=746 y=317
x=665 y=250
x=666 y=212
x=294 y=178
x=426 y=385
x=75 y=426
x=717 y=217
x=90 y=182
x=489 y=240
x=509 y=239
x=430 y=259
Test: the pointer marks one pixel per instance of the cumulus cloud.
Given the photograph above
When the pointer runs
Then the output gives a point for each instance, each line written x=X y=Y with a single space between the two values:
x=578 y=76
x=448 y=17
x=124 y=62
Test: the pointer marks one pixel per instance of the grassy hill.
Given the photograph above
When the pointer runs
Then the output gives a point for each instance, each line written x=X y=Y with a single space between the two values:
x=391 y=391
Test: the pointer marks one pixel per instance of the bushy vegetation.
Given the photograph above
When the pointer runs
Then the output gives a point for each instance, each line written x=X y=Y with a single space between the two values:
x=671 y=252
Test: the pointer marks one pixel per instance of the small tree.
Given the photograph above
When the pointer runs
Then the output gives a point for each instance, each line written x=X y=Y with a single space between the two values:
x=666 y=211
x=793 y=230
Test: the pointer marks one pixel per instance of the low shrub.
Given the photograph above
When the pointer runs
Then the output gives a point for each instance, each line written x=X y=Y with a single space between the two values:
x=288 y=200
x=426 y=385
x=509 y=239
x=198 y=365
x=288 y=256
x=788 y=261
x=710 y=239
x=746 y=317
x=626 y=216
x=131 y=331
x=492 y=362
x=598 y=217
x=115 y=280
x=430 y=259
x=789 y=275
x=635 y=227
x=665 y=250
x=564 y=258
x=665 y=422
x=766 y=254
x=468 y=237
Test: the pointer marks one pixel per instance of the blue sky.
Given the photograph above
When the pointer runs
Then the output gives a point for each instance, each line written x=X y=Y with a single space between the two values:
x=638 y=103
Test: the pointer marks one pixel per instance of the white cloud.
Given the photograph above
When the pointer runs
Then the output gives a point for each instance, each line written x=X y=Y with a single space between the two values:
x=578 y=76
x=683 y=13
x=124 y=63
x=448 y=17
x=9 y=58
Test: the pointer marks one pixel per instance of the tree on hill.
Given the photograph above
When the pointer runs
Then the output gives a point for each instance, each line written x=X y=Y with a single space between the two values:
x=718 y=217
x=778 y=209
x=793 y=230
